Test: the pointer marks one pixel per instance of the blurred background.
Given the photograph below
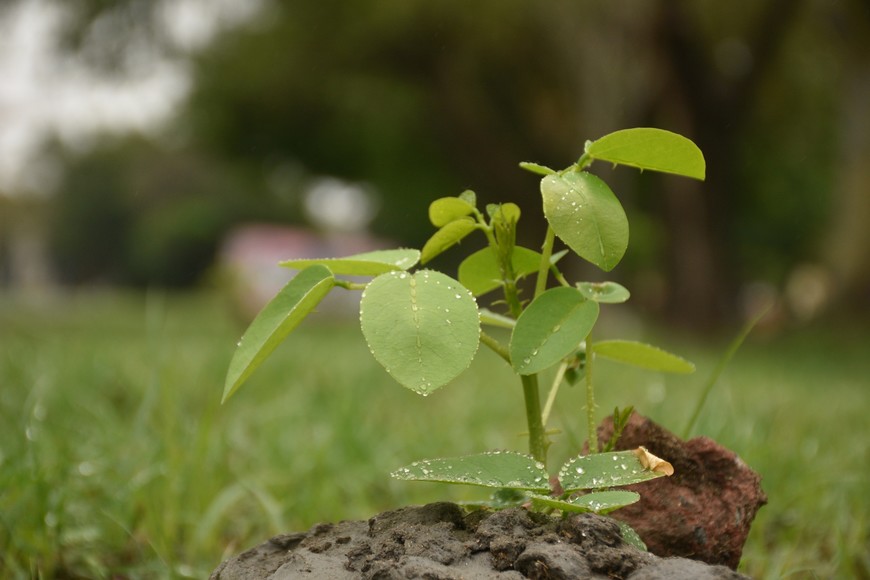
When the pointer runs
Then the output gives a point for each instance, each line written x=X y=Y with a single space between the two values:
x=159 y=157
x=140 y=139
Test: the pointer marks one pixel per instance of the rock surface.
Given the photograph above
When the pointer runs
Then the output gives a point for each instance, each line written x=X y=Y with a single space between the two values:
x=704 y=510
x=442 y=542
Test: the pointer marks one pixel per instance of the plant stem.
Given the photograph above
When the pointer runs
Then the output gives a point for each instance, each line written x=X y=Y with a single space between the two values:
x=497 y=347
x=544 y=269
x=348 y=285
x=538 y=443
x=551 y=397
x=590 y=397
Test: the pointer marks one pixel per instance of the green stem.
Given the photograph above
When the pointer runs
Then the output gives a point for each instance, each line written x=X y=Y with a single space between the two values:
x=554 y=390
x=538 y=443
x=590 y=397
x=544 y=269
x=497 y=347
x=348 y=285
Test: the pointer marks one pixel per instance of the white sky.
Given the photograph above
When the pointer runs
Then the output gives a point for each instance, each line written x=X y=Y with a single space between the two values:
x=44 y=93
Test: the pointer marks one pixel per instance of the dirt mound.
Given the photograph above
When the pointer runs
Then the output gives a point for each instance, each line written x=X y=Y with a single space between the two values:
x=440 y=541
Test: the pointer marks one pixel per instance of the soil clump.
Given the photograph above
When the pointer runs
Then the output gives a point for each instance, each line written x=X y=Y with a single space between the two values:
x=441 y=541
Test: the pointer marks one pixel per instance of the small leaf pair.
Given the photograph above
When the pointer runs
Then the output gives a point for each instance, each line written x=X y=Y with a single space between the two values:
x=516 y=471
x=582 y=209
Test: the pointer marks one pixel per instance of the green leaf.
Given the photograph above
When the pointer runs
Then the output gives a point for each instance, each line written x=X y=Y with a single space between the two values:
x=450 y=234
x=585 y=214
x=480 y=273
x=500 y=469
x=469 y=196
x=642 y=355
x=629 y=536
x=447 y=209
x=607 y=292
x=537 y=168
x=600 y=502
x=423 y=328
x=648 y=148
x=272 y=325
x=508 y=212
x=366 y=264
x=603 y=470
x=550 y=329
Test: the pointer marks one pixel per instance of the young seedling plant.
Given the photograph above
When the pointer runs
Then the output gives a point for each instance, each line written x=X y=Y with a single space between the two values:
x=424 y=327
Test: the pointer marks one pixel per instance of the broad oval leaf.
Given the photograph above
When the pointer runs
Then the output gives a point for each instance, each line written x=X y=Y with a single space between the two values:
x=277 y=319
x=642 y=355
x=606 y=292
x=447 y=236
x=599 y=502
x=447 y=209
x=423 y=328
x=366 y=264
x=499 y=469
x=603 y=470
x=585 y=214
x=649 y=148
x=550 y=329
x=480 y=273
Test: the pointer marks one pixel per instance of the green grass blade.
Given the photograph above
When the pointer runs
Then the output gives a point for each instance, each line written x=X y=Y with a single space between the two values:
x=277 y=319
x=720 y=367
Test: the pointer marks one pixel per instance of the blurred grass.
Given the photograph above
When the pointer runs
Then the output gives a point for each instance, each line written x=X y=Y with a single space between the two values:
x=116 y=459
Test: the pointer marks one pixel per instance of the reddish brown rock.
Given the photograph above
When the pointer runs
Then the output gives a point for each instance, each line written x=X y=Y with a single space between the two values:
x=704 y=510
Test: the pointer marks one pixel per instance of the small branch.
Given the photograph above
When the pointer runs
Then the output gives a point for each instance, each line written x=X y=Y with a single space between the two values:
x=494 y=345
x=551 y=397
x=544 y=269
x=590 y=397
x=348 y=285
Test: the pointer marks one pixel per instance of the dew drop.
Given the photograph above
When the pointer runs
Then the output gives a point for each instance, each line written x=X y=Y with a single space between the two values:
x=527 y=360
x=458 y=296
x=579 y=471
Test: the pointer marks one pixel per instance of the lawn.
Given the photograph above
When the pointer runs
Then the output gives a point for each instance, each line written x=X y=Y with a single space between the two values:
x=117 y=460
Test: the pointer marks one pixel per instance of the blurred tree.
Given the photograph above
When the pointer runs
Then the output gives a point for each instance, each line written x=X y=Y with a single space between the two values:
x=130 y=212
x=424 y=99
